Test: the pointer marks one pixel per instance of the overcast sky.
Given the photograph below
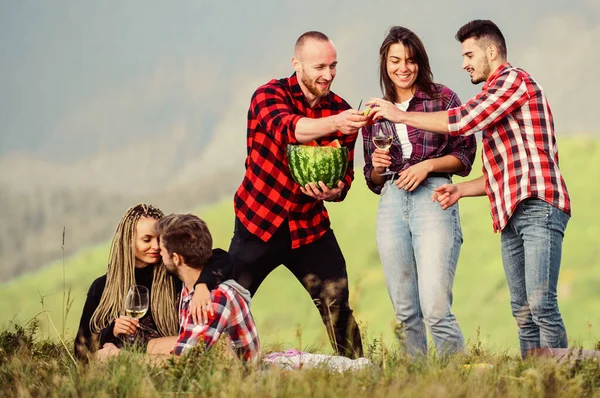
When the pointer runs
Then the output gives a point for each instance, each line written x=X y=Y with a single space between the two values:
x=83 y=75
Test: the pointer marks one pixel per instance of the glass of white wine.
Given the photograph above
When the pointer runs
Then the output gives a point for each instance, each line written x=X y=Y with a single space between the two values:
x=383 y=136
x=136 y=304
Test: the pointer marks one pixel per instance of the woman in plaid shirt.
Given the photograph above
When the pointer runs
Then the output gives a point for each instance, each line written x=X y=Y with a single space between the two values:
x=418 y=242
x=528 y=197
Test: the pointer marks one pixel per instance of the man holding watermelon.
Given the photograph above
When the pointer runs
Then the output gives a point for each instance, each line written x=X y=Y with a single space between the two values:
x=279 y=222
x=528 y=197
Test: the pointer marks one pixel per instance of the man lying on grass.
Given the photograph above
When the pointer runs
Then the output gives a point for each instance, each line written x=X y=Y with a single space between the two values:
x=185 y=247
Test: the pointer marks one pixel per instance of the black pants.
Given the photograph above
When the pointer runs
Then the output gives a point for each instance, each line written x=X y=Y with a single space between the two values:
x=319 y=266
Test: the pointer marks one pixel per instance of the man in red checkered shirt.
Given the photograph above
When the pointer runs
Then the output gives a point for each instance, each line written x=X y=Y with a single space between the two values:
x=185 y=247
x=278 y=221
x=528 y=197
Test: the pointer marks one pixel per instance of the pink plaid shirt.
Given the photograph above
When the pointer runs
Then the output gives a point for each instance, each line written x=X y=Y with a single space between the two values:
x=425 y=145
x=520 y=157
x=232 y=317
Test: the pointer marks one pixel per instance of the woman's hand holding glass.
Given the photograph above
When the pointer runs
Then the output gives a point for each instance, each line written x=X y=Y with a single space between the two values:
x=381 y=160
x=125 y=326
x=383 y=137
x=136 y=306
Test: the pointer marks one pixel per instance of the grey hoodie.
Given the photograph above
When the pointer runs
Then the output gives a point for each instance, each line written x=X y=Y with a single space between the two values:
x=238 y=288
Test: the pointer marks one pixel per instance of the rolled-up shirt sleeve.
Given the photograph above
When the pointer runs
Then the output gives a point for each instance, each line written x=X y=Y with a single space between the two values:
x=273 y=113
x=463 y=147
x=505 y=94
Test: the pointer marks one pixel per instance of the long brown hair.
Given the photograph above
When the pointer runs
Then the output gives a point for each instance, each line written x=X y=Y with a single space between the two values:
x=416 y=51
x=120 y=277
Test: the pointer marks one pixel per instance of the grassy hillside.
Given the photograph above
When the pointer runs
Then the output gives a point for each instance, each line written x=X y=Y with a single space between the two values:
x=283 y=310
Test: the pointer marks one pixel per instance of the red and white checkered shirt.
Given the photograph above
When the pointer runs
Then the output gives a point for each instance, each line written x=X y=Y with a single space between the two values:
x=520 y=156
x=232 y=317
x=268 y=195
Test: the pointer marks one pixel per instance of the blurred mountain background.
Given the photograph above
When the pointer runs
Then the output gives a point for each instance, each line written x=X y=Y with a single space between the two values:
x=284 y=313
x=106 y=104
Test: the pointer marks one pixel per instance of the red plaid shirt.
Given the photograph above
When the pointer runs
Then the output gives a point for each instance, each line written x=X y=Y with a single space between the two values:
x=425 y=145
x=232 y=317
x=268 y=194
x=520 y=157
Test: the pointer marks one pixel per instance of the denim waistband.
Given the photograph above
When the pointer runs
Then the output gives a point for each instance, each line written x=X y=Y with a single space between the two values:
x=432 y=174
x=437 y=174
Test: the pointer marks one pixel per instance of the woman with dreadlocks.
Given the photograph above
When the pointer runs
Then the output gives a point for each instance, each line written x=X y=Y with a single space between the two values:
x=135 y=260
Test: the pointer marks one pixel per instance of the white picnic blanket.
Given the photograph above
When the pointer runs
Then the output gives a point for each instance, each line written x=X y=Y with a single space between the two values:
x=294 y=359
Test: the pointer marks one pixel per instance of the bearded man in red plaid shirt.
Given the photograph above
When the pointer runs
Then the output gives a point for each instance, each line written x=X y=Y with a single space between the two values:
x=528 y=197
x=279 y=222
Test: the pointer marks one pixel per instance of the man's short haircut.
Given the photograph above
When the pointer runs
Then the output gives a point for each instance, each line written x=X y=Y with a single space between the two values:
x=186 y=235
x=311 y=35
x=484 y=30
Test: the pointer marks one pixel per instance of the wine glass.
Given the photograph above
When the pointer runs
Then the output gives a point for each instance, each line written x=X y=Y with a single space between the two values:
x=383 y=136
x=136 y=304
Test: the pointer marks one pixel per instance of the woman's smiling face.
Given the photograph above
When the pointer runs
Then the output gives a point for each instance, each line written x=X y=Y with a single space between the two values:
x=147 y=250
x=401 y=68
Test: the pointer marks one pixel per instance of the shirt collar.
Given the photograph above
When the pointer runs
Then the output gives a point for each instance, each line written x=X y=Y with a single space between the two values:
x=187 y=294
x=496 y=73
x=296 y=91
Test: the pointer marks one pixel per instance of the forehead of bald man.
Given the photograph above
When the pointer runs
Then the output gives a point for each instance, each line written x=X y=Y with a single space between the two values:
x=309 y=37
x=312 y=48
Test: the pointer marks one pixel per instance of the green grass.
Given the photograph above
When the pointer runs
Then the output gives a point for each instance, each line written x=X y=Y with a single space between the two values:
x=34 y=367
x=284 y=311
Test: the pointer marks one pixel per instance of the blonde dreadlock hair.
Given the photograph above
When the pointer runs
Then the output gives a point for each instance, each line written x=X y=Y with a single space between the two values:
x=120 y=277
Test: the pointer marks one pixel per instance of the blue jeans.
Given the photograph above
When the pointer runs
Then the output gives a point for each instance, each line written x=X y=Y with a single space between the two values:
x=419 y=244
x=531 y=254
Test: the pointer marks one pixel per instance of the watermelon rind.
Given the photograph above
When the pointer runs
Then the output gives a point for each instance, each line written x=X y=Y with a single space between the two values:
x=317 y=163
